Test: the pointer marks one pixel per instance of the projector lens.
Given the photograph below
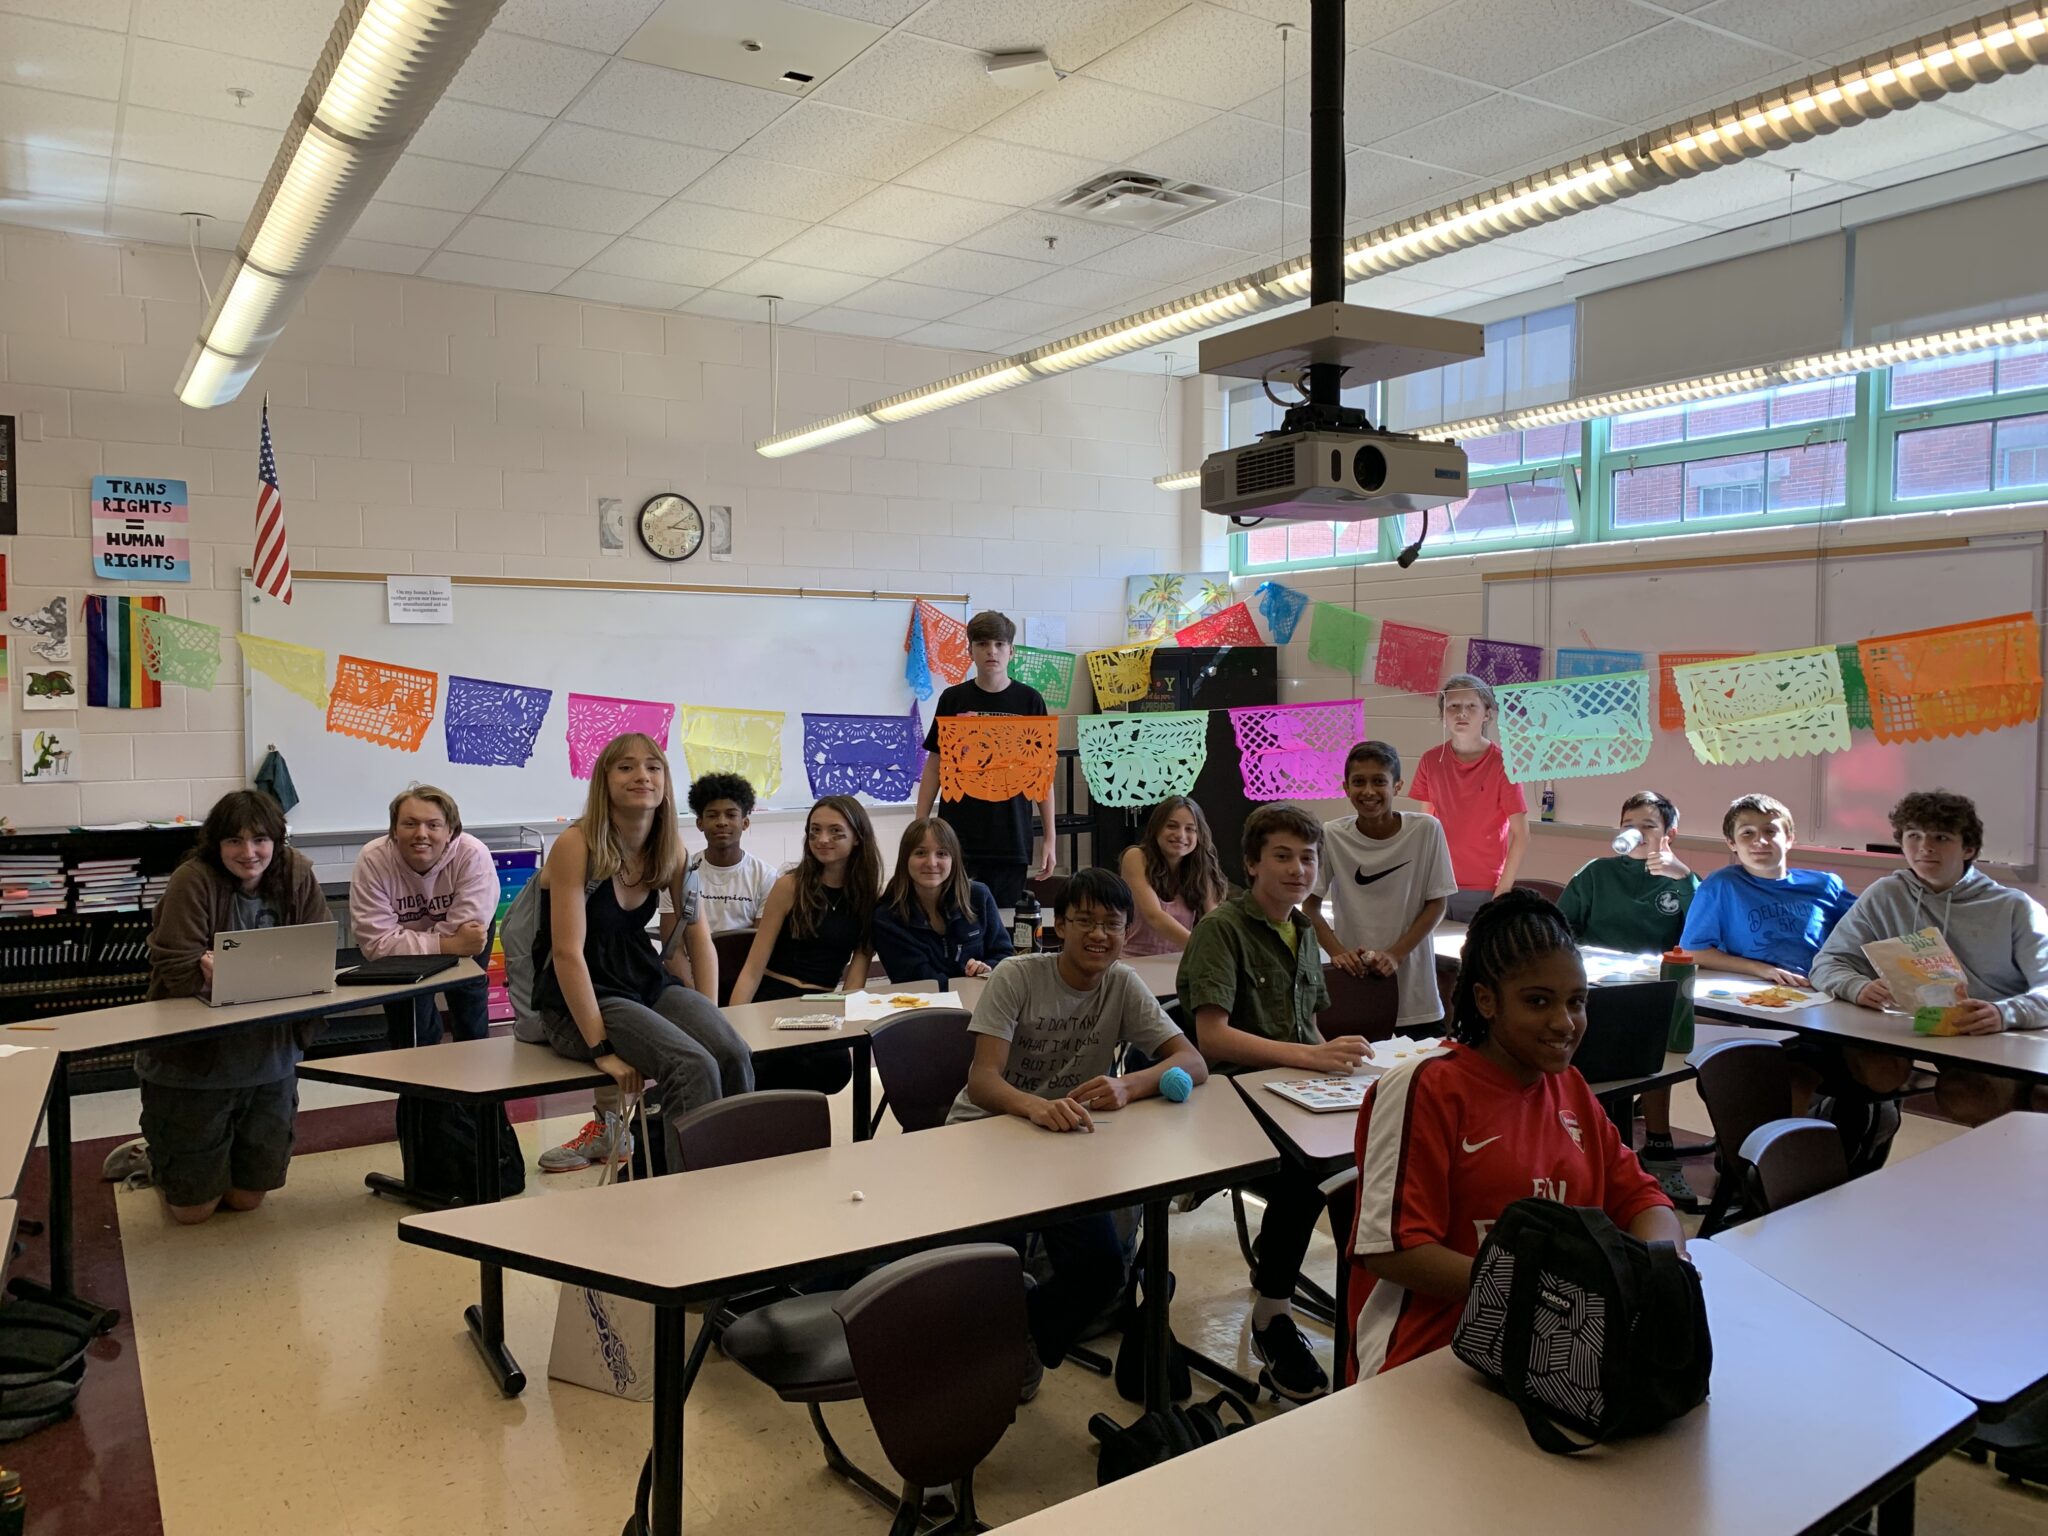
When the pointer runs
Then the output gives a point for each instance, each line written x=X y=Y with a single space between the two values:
x=1369 y=468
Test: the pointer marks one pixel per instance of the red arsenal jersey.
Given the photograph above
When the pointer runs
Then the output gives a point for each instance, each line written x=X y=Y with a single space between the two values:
x=1445 y=1144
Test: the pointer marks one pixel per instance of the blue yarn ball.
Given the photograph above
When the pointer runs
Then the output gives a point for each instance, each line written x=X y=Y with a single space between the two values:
x=1175 y=1084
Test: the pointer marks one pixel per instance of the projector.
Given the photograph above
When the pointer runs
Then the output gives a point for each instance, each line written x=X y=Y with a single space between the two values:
x=1341 y=476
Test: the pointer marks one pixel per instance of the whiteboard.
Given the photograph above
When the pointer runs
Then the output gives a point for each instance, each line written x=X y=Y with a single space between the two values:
x=1840 y=799
x=678 y=646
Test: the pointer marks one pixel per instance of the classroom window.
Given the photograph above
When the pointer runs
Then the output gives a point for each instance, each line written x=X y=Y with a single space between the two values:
x=1943 y=461
x=1512 y=450
x=1536 y=508
x=1804 y=478
x=2021 y=446
x=1791 y=405
x=1973 y=376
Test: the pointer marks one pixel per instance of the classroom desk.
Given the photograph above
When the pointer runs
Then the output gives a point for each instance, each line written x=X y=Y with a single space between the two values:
x=1809 y=1424
x=1938 y=1258
x=698 y=1236
x=25 y=1078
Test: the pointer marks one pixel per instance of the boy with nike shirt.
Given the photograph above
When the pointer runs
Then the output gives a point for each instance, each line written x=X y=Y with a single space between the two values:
x=1386 y=877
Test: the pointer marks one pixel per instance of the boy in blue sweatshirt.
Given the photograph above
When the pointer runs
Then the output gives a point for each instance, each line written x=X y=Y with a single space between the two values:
x=1758 y=916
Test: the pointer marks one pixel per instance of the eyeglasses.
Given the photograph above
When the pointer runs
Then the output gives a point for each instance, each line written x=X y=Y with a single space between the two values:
x=1109 y=927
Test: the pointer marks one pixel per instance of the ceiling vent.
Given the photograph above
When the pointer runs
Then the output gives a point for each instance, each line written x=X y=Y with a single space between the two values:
x=1134 y=200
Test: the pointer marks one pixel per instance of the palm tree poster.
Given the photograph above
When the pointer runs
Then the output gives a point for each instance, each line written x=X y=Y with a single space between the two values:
x=1157 y=605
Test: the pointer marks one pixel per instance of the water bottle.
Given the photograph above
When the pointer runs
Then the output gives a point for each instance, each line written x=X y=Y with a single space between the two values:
x=1626 y=841
x=1024 y=926
x=13 y=1504
x=1682 y=967
x=1549 y=804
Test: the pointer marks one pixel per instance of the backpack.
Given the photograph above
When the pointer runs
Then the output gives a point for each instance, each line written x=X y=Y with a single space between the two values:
x=1584 y=1328
x=527 y=959
x=1156 y=1437
x=437 y=1141
x=42 y=1362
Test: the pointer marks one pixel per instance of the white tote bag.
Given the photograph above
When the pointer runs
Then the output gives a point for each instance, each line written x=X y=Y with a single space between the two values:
x=605 y=1342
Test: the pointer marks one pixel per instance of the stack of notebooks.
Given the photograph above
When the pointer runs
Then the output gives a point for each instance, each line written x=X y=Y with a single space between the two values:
x=106 y=885
x=31 y=884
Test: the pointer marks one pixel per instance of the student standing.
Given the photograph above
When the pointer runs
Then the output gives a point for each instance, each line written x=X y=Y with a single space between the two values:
x=732 y=883
x=426 y=888
x=933 y=923
x=996 y=834
x=1759 y=916
x=218 y=1114
x=1449 y=1141
x=1046 y=1032
x=1174 y=875
x=1387 y=877
x=1252 y=981
x=1464 y=784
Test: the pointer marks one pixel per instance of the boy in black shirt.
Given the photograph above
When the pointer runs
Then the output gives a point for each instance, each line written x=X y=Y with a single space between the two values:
x=994 y=834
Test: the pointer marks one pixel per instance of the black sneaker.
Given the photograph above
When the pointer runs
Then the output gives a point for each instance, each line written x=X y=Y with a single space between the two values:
x=1289 y=1369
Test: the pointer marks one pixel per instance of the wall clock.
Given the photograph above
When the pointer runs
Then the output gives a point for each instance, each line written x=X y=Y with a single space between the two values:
x=671 y=526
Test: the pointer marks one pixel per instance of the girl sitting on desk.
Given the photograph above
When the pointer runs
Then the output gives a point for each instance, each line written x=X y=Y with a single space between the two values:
x=1174 y=875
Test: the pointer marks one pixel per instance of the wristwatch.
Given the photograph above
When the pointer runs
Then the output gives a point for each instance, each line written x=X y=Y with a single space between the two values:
x=602 y=1048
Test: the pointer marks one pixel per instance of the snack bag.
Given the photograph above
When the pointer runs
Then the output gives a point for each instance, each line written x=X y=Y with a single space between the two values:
x=1925 y=978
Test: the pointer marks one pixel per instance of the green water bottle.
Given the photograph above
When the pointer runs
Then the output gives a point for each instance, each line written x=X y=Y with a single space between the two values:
x=1680 y=966
x=13 y=1504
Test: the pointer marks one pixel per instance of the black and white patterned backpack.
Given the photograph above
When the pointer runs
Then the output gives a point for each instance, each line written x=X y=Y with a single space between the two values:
x=1586 y=1329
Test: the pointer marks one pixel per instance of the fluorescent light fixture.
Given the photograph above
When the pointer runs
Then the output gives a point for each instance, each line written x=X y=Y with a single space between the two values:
x=1179 y=480
x=817 y=435
x=211 y=377
x=1994 y=45
x=252 y=308
x=971 y=386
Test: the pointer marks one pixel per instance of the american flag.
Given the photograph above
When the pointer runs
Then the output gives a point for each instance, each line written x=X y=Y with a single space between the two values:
x=273 y=560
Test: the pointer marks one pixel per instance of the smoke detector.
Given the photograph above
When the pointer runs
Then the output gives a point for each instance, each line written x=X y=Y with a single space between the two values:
x=1134 y=200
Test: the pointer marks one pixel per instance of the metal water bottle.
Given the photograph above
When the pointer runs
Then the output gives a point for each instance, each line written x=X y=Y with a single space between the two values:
x=1024 y=926
x=1680 y=966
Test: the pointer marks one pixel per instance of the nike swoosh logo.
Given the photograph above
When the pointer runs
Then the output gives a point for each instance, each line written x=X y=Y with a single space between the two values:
x=1475 y=1146
x=1364 y=879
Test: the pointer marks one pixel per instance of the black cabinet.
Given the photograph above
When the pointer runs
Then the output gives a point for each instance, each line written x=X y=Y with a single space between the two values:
x=1215 y=678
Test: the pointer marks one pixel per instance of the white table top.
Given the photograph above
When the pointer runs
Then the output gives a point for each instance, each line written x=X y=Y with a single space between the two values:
x=1940 y=1258
x=695 y=1235
x=24 y=1090
x=1807 y=1419
x=462 y=1071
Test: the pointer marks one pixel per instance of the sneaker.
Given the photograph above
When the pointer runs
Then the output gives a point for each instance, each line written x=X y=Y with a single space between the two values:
x=602 y=1140
x=1670 y=1178
x=128 y=1165
x=1034 y=1373
x=1289 y=1366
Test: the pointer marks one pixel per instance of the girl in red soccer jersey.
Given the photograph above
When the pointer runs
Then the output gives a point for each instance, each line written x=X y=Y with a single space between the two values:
x=1448 y=1142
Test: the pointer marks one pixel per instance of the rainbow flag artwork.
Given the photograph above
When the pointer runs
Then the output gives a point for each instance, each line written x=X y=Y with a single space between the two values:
x=115 y=677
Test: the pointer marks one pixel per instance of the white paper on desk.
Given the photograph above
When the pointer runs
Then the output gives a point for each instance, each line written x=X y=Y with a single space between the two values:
x=866 y=1007
x=1606 y=967
x=16 y=1050
x=1733 y=991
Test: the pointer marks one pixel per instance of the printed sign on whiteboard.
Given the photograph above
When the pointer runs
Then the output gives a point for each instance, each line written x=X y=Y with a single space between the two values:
x=141 y=529
x=419 y=600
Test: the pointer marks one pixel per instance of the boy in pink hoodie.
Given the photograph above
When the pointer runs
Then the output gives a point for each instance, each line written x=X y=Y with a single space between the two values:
x=426 y=888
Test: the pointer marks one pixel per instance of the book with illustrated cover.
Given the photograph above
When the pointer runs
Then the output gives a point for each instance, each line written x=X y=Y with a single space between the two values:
x=1924 y=977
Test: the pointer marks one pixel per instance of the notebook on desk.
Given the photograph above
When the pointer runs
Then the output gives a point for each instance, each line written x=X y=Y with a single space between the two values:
x=395 y=970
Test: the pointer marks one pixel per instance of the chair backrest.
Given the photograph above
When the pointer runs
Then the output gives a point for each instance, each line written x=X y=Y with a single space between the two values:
x=1627 y=1027
x=1744 y=1084
x=1549 y=890
x=937 y=1342
x=923 y=1057
x=751 y=1126
x=731 y=948
x=1793 y=1158
x=1359 y=1005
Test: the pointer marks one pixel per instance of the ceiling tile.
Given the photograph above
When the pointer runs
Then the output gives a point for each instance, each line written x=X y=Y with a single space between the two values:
x=540 y=77
x=427 y=183
x=934 y=216
x=1095 y=119
x=1876 y=148
x=1479 y=265
x=1163 y=258
x=1019 y=315
x=397 y=224
x=909 y=300
x=1206 y=54
x=848 y=250
x=974 y=271
x=197 y=143
x=883 y=13
x=717 y=229
x=2018 y=101
x=480 y=236
x=826 y=138
x=1505 y=42
x=1073 y=32
x=683 y=108
x=572 y=205
x=1593 y=232
x=577 y=152
x=1948 y=160
x=961 y=338
x=920 y=79
x=641 y=292
x=1376 y=185
x=855 y=322
x=1252 y=224
x=1079 y=288
x=196 y=81
x=492 y=272
x=1821 y=29
x=1012 y=173
x=1645 y=78
x=1024 y=235
x=76 y=123
x=1497 y=133
x=1384 y=96
x=721 y=305
x=169 y=191
x=374 y=256
x=763 y=186
x=51 y=56
x=602 y=25
x=108 y=15
x=1238 y=154
x=1393 y=291
x=801 y=285
x=1758 y=188
x=476 y=134
x=665 y=263
x=135 y=224
x=38 y=171
x=277 y=31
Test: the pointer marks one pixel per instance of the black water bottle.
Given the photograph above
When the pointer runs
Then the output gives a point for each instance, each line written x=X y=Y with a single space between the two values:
x=1024 y=925
x=13 y=1504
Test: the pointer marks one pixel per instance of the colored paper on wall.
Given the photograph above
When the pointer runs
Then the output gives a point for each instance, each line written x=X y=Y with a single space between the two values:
x=181 y=651
x=945 y=644
x=1854 y=688
x=1296 y=751
x=1227 y=626
x=1339 y=637
x=747 y=742
x=1670 y=709
x=381 y=703
x=1755 y=708
x=997 y=757
x=1503 y=662
x=1121 y=674
x=594 y=719
x=880 y=756
x=492 y=725
x=1132 y=760
x=141 y=529
x=1589 y=661
x=1410 y=659
x=300 y=668
x=1164 y=602
x=115 y=677
x=1574 y=727
x=1281 y=608
x=1050 y=672
x=917 y=667
x=1954 y=680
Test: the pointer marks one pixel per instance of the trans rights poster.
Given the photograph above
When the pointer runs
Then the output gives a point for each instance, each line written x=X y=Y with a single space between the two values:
x=141 y=529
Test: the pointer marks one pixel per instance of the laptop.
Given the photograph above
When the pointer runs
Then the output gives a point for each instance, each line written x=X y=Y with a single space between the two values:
x=260 y=965
x=1627 y=1027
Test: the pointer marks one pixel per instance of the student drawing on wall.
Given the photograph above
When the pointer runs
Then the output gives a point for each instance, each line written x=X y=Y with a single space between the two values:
x=51 y=625
x=49 y=758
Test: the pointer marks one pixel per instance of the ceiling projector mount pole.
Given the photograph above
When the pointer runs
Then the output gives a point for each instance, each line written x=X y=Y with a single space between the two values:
x=1323 y=387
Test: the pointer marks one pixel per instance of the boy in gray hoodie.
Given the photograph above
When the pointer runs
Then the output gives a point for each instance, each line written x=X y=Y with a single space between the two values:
x=2000 y=936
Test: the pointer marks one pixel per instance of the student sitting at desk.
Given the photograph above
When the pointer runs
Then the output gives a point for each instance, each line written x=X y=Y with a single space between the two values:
x=218 y=1114
x=933 y=923
x=1999 y=935
x=1046 y=1032
x=1464 y=784
x=1448 y=1141
x=732 y=883
x=1252 y=980
x=1758 y=916
x=1174 y=875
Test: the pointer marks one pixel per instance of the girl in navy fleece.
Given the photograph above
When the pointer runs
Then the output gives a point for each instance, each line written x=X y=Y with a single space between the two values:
x=933 y=923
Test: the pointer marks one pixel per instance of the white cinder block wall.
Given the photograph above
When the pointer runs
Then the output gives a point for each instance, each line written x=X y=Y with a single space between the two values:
x=435 y=428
